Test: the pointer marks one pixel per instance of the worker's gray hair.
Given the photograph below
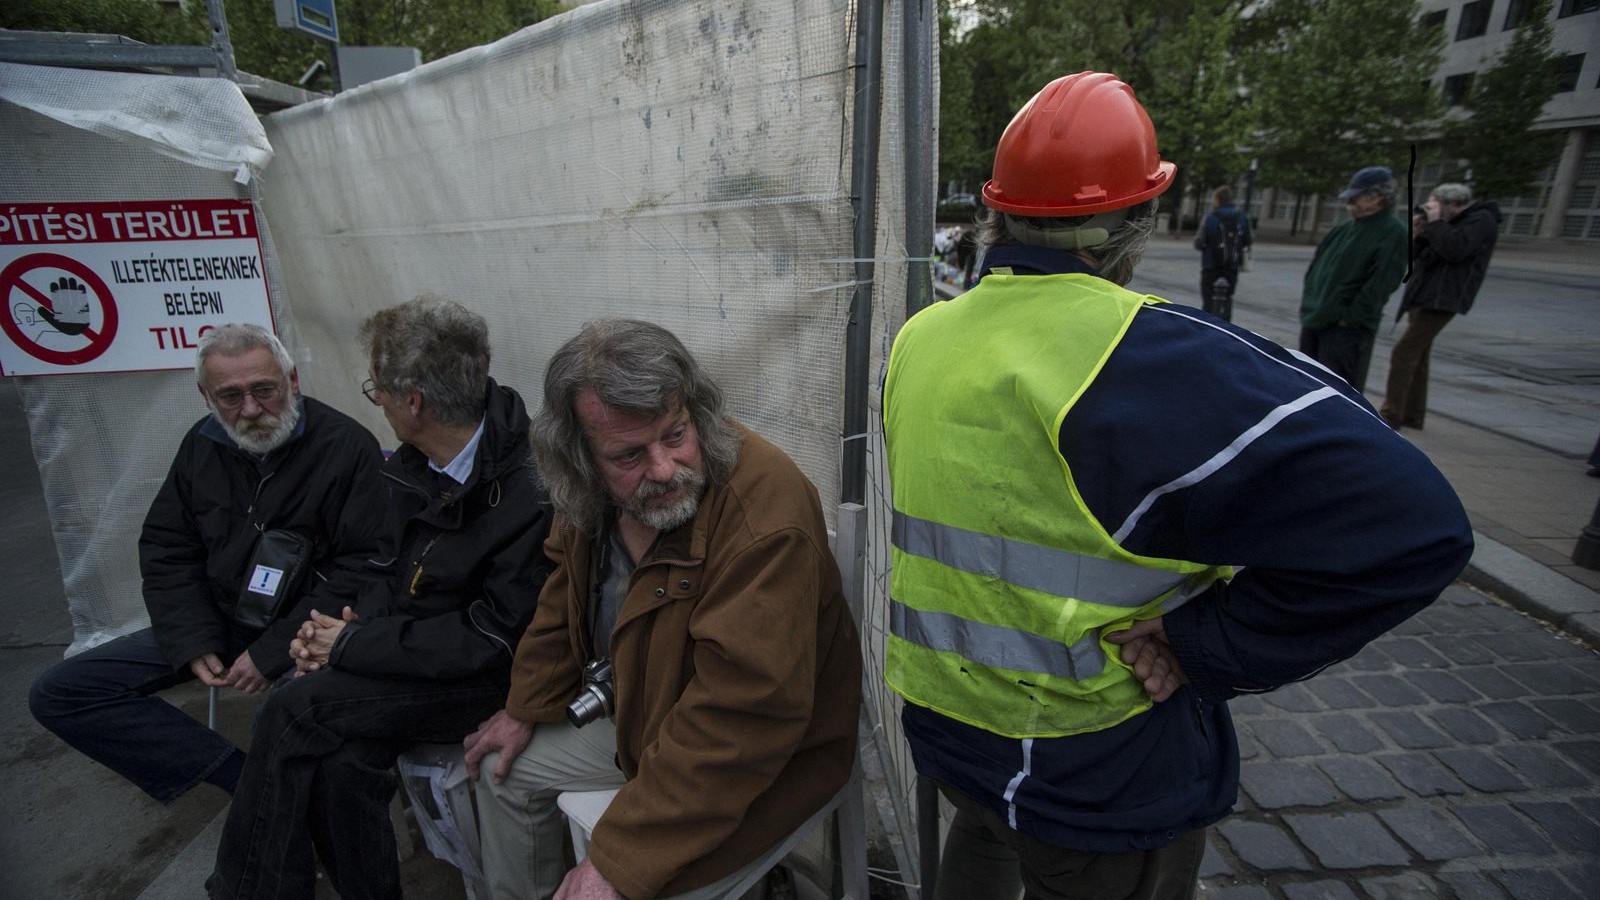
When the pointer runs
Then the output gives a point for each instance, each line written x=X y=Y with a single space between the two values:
x=1452 y=192
x=637 y=367
x=235 y=338
x=435 y=347
x=1116 y=254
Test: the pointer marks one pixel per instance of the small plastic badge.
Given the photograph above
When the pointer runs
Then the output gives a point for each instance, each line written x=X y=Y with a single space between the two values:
x=264 y=580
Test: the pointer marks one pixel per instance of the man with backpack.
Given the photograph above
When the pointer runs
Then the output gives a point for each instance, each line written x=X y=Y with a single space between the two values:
x=1222 y=240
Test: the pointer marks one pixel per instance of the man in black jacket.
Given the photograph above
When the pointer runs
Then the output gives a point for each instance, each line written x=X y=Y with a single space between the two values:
x=425 y=654
x=265 y=458
x=1451 y=242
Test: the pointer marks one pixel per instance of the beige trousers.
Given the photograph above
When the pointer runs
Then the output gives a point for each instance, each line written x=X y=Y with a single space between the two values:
x=521 y=829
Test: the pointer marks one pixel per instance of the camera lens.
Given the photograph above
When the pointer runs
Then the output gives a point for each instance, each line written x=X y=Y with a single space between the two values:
x=596 y=699
x=591 y=704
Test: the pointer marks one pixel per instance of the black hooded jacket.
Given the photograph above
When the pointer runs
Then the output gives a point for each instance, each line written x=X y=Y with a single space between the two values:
x=200 y=532
x=459 y=574
x=1449 y=259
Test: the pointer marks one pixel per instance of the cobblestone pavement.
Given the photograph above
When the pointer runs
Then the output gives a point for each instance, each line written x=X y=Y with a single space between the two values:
x=1458 y=756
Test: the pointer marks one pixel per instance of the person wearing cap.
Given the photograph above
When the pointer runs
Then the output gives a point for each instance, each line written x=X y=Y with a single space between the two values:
x=1357 y=266
x=1111 y=514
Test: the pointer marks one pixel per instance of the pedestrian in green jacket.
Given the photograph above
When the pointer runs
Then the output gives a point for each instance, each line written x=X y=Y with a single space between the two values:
x=1356 y=267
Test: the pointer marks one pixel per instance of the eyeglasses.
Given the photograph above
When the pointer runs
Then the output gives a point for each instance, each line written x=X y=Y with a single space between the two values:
x=233 y=398
x=369 y=390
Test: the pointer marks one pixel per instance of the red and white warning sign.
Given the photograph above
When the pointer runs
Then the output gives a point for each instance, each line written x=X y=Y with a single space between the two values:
x=124 y=286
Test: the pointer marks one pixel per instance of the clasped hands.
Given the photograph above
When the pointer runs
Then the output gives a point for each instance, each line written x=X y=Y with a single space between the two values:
x=1145 y=648
x=313 y=643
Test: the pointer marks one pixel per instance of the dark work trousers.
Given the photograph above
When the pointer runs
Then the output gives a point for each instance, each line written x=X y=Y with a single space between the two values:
x=103 y=702
x=985 y=857
x=1346 y=350
x=320 y=776
x=1211 y=299
x=1405 y=401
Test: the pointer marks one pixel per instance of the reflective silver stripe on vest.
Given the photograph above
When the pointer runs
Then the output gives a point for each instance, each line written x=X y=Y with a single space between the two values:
x=995 y=645
x=1060 y=573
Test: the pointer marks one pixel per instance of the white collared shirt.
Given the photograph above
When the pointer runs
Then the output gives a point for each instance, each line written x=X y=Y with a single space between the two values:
x=460 y=468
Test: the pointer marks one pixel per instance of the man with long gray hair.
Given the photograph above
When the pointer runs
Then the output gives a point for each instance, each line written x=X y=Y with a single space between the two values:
x=692 y=563
x=264 y=458
x=1112 y=514
x=425 y=652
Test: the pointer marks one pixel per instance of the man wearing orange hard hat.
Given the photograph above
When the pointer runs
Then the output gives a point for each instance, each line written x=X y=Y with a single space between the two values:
x=1111 y=515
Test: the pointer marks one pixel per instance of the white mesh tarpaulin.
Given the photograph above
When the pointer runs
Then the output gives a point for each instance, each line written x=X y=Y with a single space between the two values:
x=682 y=162
x=104 y=442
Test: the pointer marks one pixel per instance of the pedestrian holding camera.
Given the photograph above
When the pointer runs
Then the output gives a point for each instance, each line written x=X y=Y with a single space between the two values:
x=1452 y=240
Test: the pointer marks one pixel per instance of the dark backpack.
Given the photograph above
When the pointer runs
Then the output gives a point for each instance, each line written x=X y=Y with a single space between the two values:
x=1228 y=252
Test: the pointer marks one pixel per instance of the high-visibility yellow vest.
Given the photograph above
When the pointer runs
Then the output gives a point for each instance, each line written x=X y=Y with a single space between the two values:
x=1003 y=582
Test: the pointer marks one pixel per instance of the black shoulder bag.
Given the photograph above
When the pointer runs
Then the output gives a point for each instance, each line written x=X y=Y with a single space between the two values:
x=277 y=570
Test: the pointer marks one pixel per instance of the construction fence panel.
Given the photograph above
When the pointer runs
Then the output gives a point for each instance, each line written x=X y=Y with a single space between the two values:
x=680 y=162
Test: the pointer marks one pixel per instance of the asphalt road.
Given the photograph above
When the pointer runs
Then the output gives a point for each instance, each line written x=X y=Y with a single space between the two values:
x=1525 y=362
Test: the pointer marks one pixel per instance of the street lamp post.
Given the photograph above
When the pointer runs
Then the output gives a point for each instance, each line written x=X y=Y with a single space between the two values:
x=1249 y=190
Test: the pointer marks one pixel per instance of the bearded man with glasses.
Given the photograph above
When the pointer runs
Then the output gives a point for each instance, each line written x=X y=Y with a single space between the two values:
x=265 y=458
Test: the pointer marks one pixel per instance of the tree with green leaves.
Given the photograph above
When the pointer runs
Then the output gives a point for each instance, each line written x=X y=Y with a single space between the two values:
x=1497 y=141
x=1015 y=47
x=1337 y=85
x=260 y=47
x=1196 y=98
x=142 y=20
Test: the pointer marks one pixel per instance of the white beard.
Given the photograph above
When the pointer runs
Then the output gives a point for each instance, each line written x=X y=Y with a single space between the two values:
x=266 y=432
x=666 y=518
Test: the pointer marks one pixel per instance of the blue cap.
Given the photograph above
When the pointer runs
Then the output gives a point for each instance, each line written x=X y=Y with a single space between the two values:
x=1365 y=180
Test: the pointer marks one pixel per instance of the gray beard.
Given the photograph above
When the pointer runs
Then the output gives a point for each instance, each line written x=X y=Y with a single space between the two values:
x=666 y=518
x=268 y=432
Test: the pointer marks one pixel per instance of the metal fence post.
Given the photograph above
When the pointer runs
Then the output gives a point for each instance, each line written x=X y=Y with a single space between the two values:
x=864 y=199
x=920 y=128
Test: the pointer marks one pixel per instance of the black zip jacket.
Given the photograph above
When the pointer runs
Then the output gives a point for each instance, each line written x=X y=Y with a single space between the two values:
x=459 y=575
x=201 y=530
x=1449 y=259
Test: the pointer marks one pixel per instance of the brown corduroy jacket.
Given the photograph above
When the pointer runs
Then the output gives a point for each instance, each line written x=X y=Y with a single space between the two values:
x=737 y=672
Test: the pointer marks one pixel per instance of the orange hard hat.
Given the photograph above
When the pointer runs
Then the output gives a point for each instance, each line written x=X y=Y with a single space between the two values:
x=1082 y=145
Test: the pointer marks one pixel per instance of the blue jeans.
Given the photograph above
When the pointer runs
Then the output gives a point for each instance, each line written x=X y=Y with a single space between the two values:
x=320 y=775
x=103 y=702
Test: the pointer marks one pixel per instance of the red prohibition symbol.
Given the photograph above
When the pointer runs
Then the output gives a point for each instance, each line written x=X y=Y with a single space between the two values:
x=11 y=280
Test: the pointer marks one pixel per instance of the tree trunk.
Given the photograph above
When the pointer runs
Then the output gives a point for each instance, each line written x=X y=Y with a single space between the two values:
x=1177 y=192
x=1294 y=221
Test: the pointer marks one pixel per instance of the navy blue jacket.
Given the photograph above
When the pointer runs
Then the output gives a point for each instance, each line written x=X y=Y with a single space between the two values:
x=1341 y=527
x=1209 y=240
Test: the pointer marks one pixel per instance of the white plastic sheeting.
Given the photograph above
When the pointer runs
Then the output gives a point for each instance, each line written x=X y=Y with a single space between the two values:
x=681 y=162
x=203 y=122
x=104 y=442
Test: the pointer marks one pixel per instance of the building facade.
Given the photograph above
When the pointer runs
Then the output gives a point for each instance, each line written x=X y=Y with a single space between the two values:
x=1566 y=201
